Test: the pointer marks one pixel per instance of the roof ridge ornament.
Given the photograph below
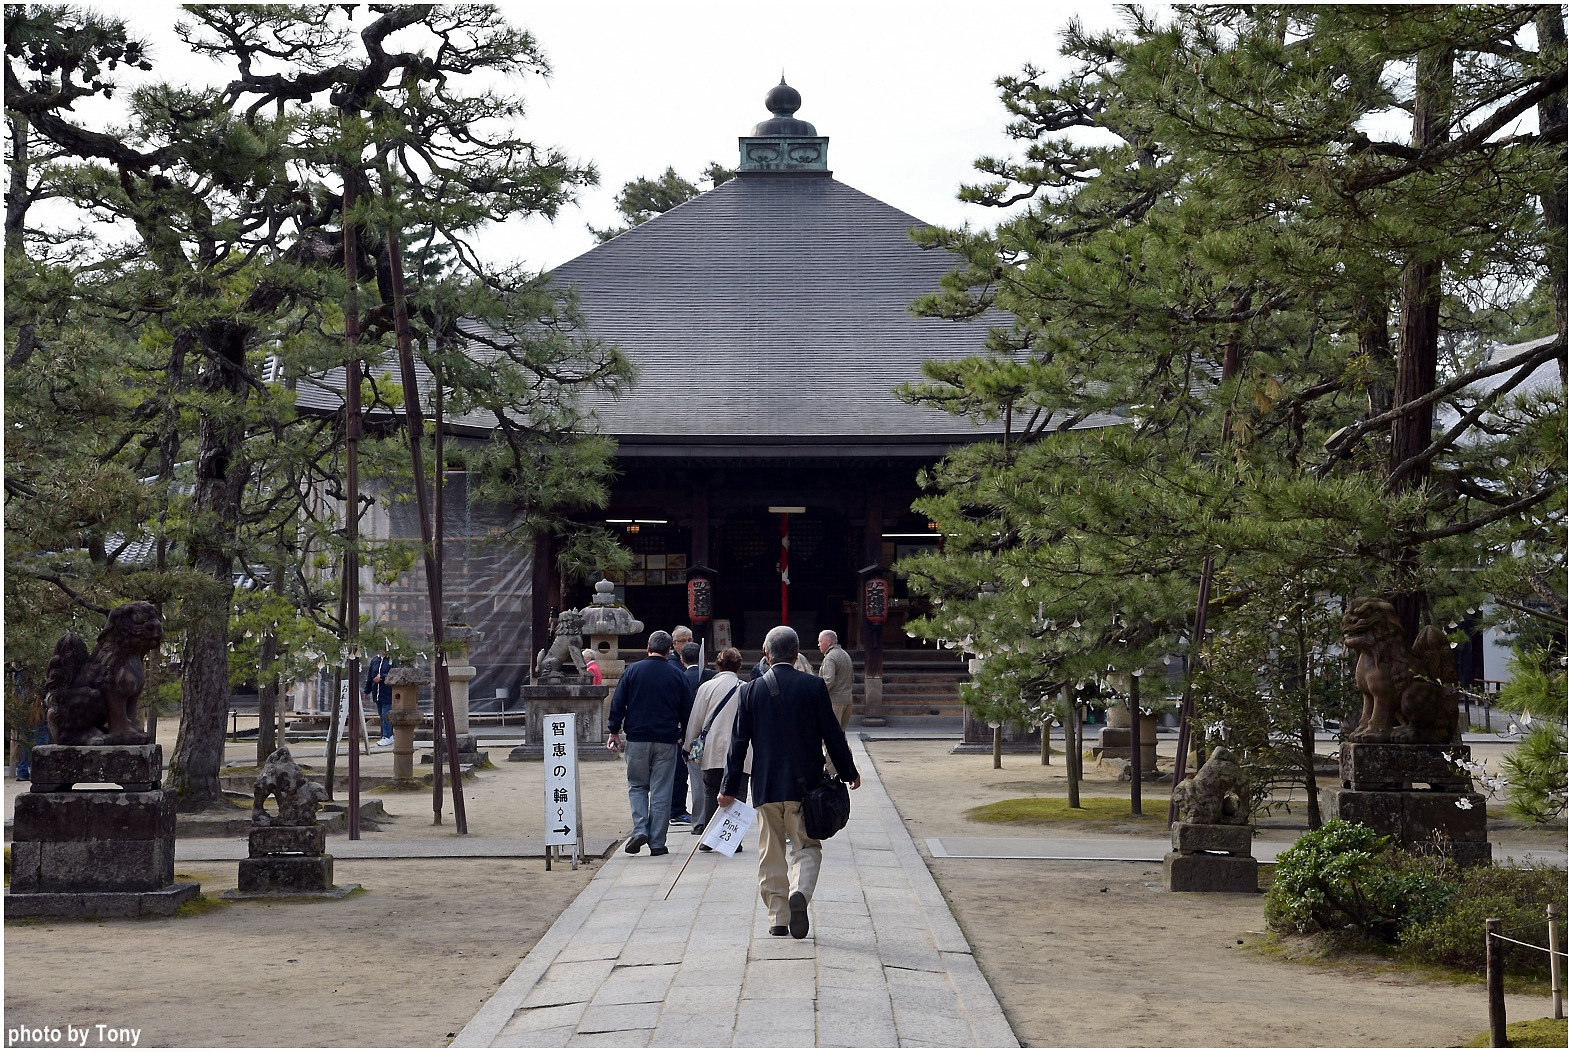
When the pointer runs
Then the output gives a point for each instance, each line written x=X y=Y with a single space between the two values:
x=783 y=143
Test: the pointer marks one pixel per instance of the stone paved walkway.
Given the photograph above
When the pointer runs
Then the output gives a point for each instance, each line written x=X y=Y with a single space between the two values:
x=645 y=957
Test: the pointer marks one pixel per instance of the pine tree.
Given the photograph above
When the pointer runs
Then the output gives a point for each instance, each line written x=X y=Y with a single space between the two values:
x=642 y=199
x=1217 y=267
x=235 y=197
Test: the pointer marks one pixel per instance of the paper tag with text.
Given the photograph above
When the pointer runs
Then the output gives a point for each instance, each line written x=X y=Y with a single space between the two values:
x=724 y=830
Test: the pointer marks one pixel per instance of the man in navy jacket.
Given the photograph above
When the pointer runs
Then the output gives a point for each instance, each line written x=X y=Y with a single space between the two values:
x=785 y=731
x=380 y=691
x=650 y=708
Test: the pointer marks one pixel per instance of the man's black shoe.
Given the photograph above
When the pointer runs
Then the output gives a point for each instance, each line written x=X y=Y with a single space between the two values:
x=799 y=916
x=779 y=929
x=705 y=847
x=635 y=842
x=697 y=830
x=660 y=850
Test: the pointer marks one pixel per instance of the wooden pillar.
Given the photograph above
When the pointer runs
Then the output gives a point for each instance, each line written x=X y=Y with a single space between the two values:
x=699 y=555
x=873 y=634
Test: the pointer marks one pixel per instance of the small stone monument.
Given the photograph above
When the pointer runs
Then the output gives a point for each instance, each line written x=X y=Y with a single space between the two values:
x=95 y=852
x=562 y=684
x=604 y=621
x=1402 y=770
x=288 y=850
x=1211 y=840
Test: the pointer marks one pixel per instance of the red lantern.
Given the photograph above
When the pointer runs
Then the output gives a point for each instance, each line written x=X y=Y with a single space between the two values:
x=876 y=600
x=701 y=599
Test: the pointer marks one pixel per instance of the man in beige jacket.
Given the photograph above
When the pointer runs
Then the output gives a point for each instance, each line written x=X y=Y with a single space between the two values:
x=837 y=675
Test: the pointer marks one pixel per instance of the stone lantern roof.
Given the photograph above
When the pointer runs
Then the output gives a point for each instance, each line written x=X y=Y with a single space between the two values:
x=604 y=617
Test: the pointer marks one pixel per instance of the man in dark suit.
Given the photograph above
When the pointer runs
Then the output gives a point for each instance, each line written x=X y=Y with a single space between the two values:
x=785 y=727
x=681 y=638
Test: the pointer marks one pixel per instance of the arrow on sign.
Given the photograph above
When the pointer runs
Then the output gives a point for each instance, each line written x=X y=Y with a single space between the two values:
x=565 y=830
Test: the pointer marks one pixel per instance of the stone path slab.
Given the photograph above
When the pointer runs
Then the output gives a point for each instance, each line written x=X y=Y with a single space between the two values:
x=645 y=957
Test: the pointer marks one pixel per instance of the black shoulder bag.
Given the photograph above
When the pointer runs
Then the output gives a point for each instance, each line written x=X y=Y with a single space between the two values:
x=826 y=803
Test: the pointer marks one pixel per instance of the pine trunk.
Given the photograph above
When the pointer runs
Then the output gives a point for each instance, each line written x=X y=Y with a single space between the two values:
x=1553 y=126
x=220 y=481
x=1419 y=329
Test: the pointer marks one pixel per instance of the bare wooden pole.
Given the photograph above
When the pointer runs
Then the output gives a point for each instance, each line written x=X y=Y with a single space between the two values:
x=1495 y=988
x=442 y=697
x=334 y=708
x=439 y=477
x=352 y=423
x=1556 y=1010
x=1135 y=744
x=1072 y=743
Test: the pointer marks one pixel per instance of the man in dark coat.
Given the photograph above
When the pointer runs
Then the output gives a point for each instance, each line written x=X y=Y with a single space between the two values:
x=785 y=730
x=651 y=703
x=380 y=691
x=681 y=638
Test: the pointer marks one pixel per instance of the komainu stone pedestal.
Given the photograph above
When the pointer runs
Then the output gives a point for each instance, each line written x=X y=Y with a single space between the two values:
x=1420 y=795
x=79 y=852
x=583 y=700
x=287 y=850
x=1210 y=858
x=288 y=860
x=1212 y=837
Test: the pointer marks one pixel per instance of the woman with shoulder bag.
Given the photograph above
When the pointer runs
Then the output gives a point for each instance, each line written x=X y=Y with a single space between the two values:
x=714 y=712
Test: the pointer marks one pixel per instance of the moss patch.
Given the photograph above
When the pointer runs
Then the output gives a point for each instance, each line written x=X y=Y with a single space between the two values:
x=1531 y=1033
x=1094 y=813
x=200 y=905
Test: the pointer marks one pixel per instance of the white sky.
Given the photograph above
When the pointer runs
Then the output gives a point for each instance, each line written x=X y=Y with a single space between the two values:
x=904 y=91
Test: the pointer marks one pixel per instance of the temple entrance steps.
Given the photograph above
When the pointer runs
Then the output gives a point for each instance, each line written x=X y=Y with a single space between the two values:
x=918 y=684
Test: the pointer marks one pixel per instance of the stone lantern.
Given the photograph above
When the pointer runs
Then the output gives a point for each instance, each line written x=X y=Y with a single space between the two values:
x=604 y=621
x=406 y=682
x=460 y=673
x=1113 y=741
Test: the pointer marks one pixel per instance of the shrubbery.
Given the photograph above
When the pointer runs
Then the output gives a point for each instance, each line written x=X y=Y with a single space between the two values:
x=1345 y=878
x=1455 y=936
x=1342 y=876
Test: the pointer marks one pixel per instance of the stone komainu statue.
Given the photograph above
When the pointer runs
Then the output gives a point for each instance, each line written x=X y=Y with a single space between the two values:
x=92 y=699
x=1218 y=795
x=1409 y=692
x=566 y=650
x=298 y=799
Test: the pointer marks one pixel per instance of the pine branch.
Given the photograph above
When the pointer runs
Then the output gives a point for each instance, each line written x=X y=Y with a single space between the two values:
x=1346 y=439
x=1433 y=156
